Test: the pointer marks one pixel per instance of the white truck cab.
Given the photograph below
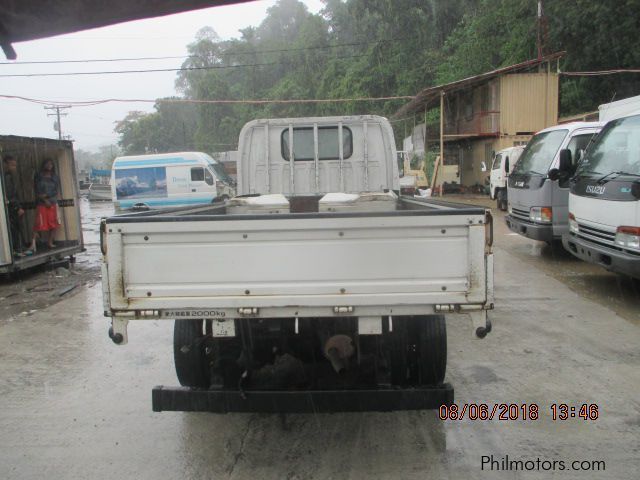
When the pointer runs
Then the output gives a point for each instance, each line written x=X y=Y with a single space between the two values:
x=537 y=200
x=348 y=154
x=604 y=203
x=503 y=164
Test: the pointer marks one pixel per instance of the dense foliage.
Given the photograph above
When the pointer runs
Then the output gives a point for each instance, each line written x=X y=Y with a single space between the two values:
x=375 y=48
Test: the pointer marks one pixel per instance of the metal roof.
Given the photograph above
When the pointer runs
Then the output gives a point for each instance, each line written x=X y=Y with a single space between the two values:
x=24 y=20
x=430 y=97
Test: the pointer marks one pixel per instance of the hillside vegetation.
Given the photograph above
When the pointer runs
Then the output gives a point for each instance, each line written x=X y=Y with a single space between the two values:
x=379 y=48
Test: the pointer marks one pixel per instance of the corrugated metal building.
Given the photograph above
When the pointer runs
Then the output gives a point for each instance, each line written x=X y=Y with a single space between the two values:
x=483 y=114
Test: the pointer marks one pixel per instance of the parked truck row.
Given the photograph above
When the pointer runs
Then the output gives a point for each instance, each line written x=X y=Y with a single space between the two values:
x=578 y=185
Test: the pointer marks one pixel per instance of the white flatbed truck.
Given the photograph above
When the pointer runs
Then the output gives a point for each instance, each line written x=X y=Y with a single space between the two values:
x=294 y=298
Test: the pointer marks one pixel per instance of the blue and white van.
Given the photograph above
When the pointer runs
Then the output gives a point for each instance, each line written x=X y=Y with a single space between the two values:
x=168 y=180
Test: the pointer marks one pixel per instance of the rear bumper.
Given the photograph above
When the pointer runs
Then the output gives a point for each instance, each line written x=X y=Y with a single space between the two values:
x=530 y=230
x=613 y=260
x=183 y=399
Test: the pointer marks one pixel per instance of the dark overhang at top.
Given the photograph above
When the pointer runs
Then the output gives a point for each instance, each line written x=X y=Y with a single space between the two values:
x=430 y=97
x=22 y=20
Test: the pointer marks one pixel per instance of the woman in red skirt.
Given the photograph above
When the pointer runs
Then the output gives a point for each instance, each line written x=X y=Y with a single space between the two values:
x=46 y=189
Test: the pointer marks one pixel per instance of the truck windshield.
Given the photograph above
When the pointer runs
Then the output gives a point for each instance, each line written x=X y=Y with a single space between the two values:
x=616 y=149
x=540 y=152
x=496 y=162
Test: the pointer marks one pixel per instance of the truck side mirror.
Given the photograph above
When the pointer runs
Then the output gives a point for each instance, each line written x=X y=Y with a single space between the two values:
x=565 y=161
x=506 y=165
x=483 y=167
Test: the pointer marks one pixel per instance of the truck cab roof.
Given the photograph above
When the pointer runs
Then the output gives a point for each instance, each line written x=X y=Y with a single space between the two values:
x=350 y=154
x=572 y=126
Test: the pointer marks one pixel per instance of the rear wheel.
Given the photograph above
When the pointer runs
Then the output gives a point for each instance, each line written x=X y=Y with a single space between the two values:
x=189 y=353
x=418 y=350
x=432 y=349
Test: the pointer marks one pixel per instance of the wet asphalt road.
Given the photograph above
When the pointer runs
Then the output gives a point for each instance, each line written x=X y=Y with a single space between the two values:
x=73 y=405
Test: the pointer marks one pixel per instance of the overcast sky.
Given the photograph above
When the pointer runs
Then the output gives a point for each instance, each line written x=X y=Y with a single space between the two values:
x=91 y=127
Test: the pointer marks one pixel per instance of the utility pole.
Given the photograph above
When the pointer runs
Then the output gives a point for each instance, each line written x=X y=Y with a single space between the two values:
x=57 y=108
x=541 y=30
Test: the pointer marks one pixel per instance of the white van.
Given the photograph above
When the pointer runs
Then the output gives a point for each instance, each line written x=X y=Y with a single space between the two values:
x=503 y=163
x=168 y=180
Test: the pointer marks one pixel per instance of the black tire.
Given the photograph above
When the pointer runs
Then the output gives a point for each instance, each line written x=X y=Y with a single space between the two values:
x=189 y=353
x=397 y=343
x=432 y=349
x=501 y=198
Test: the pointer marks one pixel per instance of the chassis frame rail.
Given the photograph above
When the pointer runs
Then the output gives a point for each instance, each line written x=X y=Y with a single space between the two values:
x=185 y=399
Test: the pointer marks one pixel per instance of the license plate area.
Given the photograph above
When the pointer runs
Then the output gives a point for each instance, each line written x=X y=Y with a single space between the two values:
x=221 y=325
x=223 y=328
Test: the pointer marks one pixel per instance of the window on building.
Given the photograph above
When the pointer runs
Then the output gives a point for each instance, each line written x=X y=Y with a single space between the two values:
x=328 y=143
x=468 y=107
x=485 y=98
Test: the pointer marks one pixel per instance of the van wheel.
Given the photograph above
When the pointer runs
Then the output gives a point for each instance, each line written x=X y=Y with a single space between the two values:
x=502 y=199
x=189 y=353
x=432 y=348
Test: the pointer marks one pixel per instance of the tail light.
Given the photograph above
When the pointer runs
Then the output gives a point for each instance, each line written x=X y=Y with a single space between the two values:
x=628 y=238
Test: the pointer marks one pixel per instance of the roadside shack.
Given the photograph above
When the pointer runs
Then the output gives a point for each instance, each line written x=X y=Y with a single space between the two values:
x=16 y=233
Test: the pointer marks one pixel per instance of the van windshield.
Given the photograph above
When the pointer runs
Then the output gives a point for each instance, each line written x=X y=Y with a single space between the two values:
x=540 y=152
x=616 y=149
x=219 y=170
x=220 y=173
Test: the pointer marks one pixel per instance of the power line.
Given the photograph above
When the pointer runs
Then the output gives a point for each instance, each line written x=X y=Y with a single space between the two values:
x=222 y=54
x=601 y=72
x=156 y=70
x=95 y=60
x=90 y=103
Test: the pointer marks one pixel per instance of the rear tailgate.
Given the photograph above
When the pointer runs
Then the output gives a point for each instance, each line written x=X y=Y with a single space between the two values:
x=296 y=264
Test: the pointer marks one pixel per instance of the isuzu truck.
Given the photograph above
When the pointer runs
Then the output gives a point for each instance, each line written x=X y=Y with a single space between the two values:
x=316 y=289
x=538 y=200
x=604 y=203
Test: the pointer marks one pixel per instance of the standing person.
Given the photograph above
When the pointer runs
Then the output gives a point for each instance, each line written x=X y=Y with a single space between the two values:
x=46 y=188
x=14 y=206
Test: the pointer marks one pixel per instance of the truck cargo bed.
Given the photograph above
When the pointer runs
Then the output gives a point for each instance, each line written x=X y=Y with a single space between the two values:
x=424 y=253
